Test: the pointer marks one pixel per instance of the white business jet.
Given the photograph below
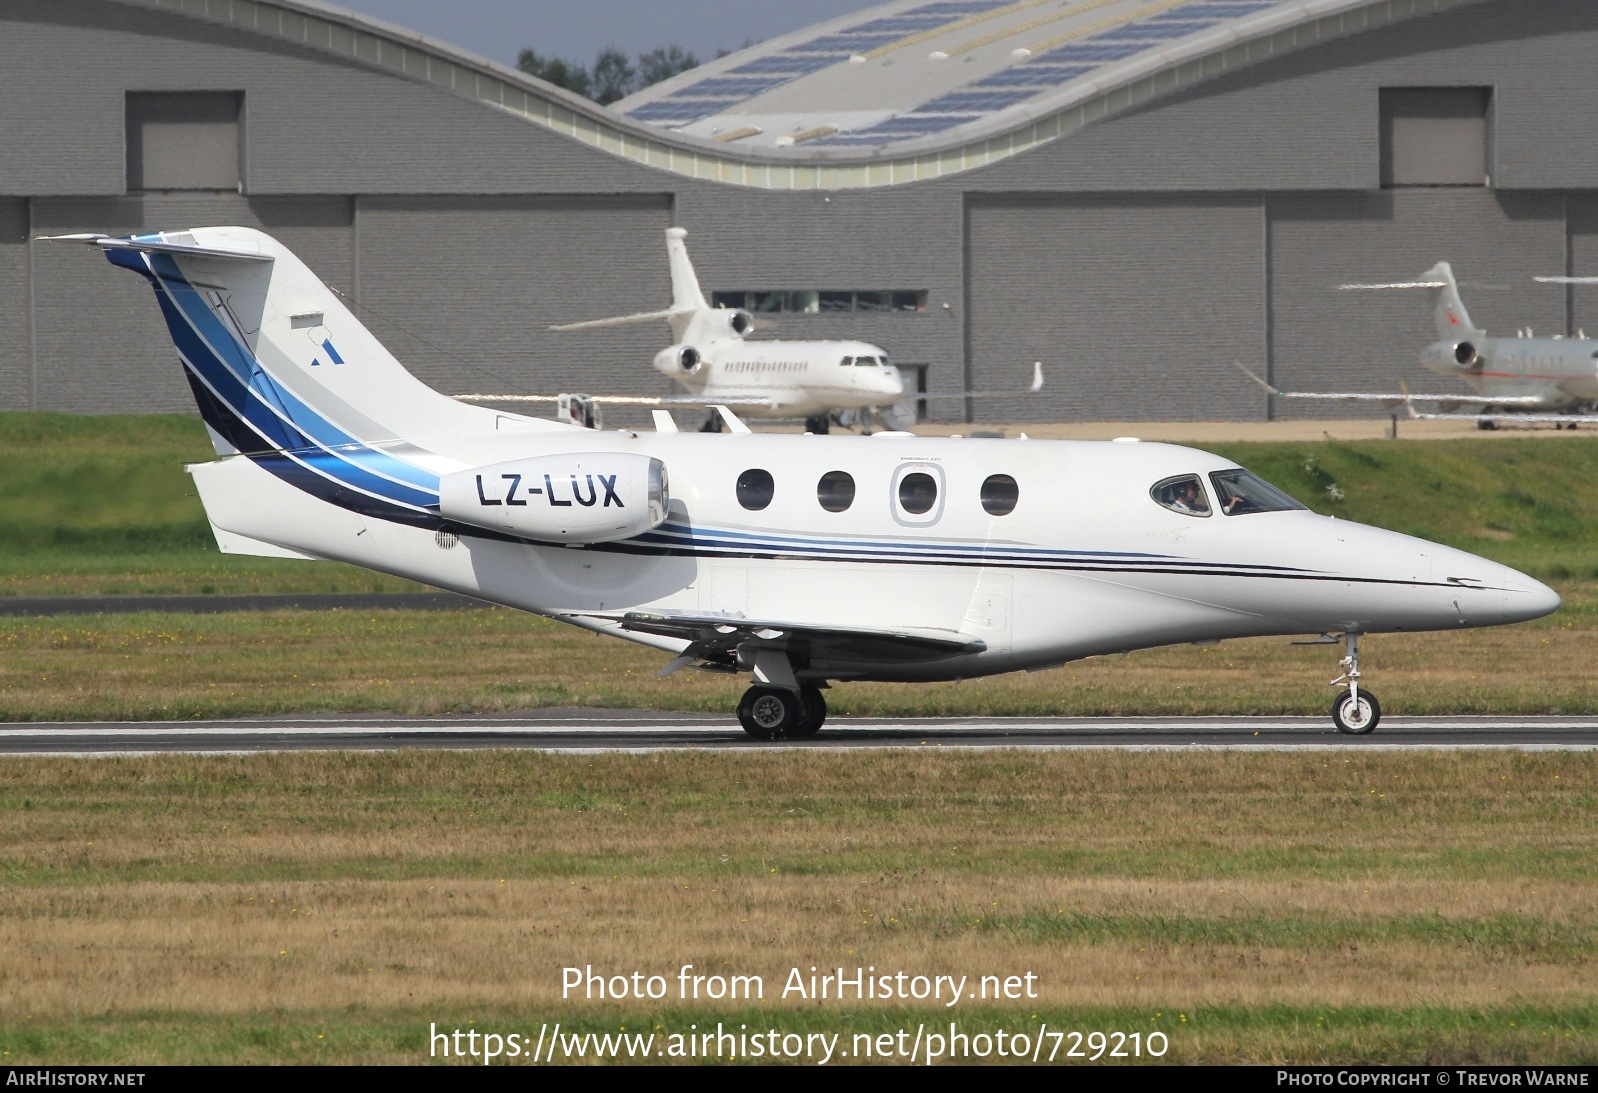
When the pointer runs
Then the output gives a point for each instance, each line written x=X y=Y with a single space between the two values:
x=712 y=358
x=850 y=382
x=1524 y=378
x=803 y=560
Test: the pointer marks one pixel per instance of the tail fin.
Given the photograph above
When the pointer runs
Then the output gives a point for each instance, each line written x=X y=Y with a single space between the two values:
x=1452 y=318
x=283 y=371
x=685 y=293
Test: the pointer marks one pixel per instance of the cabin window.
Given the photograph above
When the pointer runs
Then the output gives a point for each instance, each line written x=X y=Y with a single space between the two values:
x=999 y=495
x=1238 y=493
x=918 y=493
x=755 y=489
x=1184 y=494
x=810 y=301
x=835 y=491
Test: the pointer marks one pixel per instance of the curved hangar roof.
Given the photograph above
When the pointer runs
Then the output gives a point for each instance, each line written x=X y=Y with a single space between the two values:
x=905 y=91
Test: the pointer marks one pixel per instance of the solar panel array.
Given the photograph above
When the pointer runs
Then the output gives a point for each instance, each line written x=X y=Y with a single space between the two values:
x=1034 y=76
x=762 y=74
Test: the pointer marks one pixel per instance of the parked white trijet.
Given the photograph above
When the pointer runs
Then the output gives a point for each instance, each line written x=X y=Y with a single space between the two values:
x=801 y=559
x=712 y=357
x=1524 y=378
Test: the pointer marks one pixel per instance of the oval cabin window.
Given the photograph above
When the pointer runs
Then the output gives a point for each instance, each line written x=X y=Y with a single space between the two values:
x=999 y=495
x=918 y=493
x=835 y=491
x=755 y=489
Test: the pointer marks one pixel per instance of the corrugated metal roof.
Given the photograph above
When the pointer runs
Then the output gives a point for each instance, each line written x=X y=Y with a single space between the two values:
x=904 y=92
x=916 y=73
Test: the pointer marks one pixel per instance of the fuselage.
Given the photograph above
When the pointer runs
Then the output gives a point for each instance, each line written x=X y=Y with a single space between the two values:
x=799 y=378
x=1563 y=372
x=1086 y=562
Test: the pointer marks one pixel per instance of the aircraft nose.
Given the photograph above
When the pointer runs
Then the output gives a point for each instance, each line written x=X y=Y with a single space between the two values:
x=1502 y=595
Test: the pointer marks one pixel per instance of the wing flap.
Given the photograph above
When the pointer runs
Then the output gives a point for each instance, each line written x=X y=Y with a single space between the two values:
x=715 y=638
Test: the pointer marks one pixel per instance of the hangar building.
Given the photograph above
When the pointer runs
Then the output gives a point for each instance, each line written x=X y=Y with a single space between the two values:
x=1137 y=192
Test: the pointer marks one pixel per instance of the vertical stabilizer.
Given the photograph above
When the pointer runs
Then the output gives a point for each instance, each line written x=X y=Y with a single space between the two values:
x=685 y=293
x=1452 y=318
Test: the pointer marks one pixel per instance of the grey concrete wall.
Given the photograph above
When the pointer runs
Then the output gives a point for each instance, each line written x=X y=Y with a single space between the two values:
x=102 y=346
x=1327 y=340
x=1136 y=306
x=314 y=123
x=15 y=355
x=463 y=291
x=1581 y=211
x=1311 y=119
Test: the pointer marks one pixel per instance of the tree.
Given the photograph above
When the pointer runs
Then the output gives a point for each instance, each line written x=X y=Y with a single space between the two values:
x=556 y=70
x=662 y=63
x=614 y=76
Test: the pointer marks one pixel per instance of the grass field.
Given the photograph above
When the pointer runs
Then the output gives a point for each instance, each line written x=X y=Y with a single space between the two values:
x=1257 y=907
x=163 y=666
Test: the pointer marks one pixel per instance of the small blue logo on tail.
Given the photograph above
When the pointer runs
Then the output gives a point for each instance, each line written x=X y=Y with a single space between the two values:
x=327 y=344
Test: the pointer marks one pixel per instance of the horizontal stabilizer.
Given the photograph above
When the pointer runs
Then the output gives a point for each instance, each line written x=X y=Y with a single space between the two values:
x=156 y=245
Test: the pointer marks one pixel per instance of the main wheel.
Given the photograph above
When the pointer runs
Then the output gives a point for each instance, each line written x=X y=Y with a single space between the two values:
x=818 y=424
x=1356 y=716
x=767 y=713
x=814 y=713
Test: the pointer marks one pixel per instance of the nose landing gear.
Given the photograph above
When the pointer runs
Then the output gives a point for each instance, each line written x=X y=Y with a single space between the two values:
x=1355 y=712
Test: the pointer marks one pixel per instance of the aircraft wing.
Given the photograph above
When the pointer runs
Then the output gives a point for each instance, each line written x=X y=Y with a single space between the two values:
x=1032 y=389
x=637 y=400
x=714 y=638
x=1559 y=419
x=1394 y=397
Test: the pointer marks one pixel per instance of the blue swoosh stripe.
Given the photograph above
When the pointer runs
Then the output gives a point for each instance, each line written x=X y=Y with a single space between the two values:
x=293 y=424
x=246 y=366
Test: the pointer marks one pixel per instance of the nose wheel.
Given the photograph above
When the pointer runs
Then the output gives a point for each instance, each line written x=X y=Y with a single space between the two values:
x=1355 y=711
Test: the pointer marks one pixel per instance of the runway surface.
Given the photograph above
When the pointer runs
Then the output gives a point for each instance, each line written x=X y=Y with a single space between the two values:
x=627 y=730
x=216 y=605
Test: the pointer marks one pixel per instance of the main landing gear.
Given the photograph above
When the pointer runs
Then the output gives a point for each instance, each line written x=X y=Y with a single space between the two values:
x=776 y=713
x=1355 y=712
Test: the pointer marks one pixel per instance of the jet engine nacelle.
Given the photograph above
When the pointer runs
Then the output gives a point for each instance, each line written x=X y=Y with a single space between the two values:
x=590 y=497
x=740 y=322
x=1451 y=357
x=679 y=360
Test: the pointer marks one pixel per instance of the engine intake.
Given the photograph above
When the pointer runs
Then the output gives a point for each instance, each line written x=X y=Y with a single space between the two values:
x=589 y=497
x=741 y=321
x=1465 y=355
x=688 y=358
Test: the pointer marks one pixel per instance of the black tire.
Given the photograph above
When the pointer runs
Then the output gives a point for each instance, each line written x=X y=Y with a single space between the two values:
x=812 y=715
x=768 y=713
x=818 y=424
x=1356 y=720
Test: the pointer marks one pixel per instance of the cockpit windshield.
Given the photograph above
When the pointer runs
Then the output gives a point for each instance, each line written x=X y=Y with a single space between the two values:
x=1184 y=494
x=1238 y=493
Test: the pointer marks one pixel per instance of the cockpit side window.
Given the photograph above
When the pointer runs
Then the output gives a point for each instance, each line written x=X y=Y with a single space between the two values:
x=1184 y=494
x=1238 y=493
